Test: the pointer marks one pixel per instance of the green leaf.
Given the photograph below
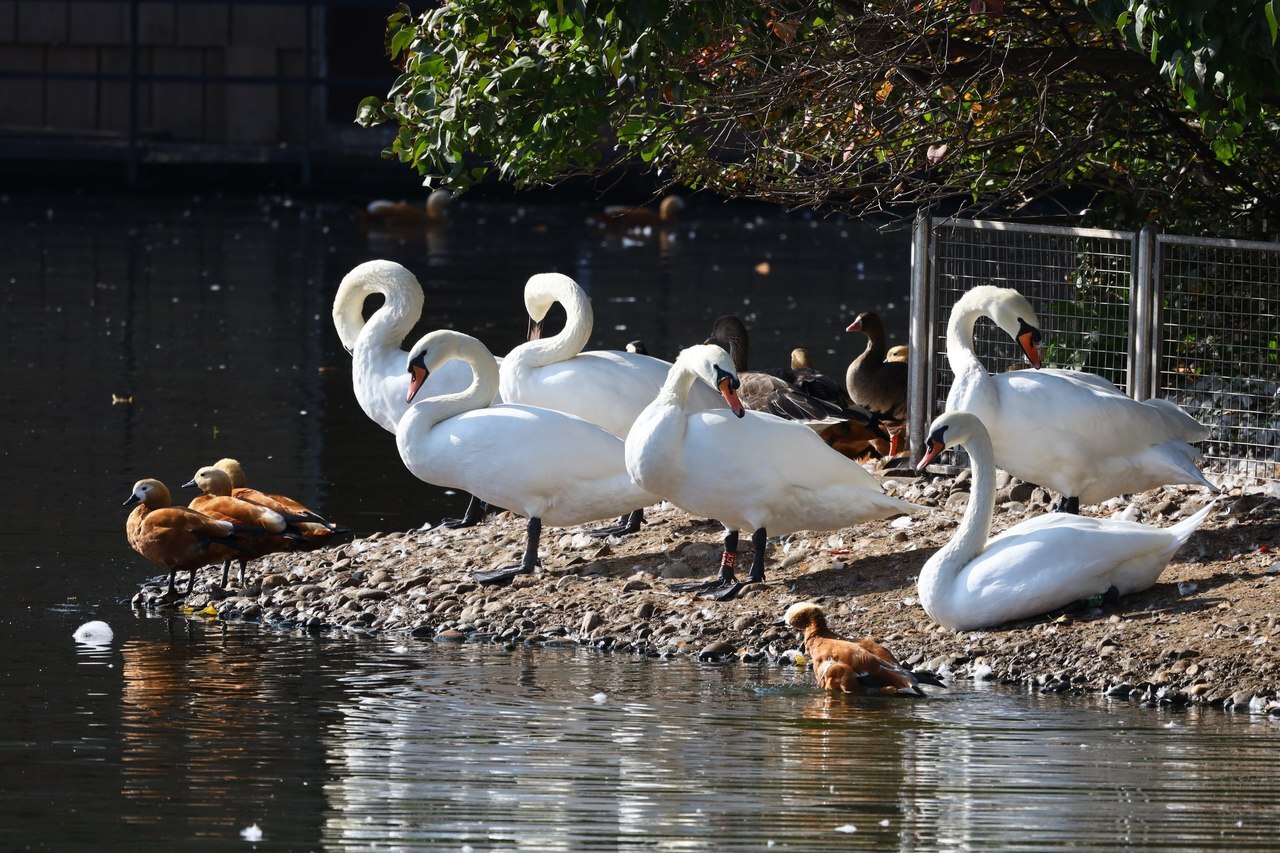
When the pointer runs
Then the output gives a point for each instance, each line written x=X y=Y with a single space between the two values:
x=370 y=112
x=1270 y=10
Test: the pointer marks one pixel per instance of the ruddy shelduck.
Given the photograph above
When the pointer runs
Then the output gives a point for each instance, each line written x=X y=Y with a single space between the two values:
x=266 y=529
x=852 y=666
x=317 y=530
x=176 y=537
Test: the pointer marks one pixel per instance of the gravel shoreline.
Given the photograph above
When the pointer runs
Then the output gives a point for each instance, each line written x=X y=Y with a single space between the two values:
x=1207 y=634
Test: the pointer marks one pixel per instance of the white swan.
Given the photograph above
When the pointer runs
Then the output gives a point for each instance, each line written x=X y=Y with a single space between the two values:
x=1035 y=566
x=1067 y=430
x=377 y=361
x=546 y=465
x=606 y=387
x=759 y=473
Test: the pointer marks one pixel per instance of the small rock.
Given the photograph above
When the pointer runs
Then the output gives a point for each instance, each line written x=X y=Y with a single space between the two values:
x=635 y=585
x=590 y=621
x=717 y=651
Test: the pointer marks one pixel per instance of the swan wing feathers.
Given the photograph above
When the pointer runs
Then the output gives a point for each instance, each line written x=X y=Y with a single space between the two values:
x=538 y=462
x=764 y=471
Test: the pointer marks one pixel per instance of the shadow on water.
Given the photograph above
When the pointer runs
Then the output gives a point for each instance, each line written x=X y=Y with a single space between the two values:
x=147 y=338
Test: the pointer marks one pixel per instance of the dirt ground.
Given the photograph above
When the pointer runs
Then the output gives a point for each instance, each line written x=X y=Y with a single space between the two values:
x=1207 y=633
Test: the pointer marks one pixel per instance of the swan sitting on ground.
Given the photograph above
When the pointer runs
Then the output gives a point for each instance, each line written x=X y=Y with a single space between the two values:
x=546 y=465
x=377 y=361
x=1038 y=565
x=753 y=472
x=1067 y=430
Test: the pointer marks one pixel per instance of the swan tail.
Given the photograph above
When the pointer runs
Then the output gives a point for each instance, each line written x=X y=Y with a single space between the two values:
x=1180 y=424
x=1183 y=529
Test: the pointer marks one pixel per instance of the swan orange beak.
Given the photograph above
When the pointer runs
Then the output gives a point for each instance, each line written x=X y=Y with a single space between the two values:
x=933 y=447
x=417 y=376
x=731 y=396
x=1029 y=339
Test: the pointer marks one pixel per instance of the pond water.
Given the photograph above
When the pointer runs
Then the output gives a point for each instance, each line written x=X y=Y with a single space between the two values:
x=147 y=337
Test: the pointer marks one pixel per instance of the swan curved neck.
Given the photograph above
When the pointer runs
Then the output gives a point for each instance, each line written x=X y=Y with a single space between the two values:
x=477 y=395
x=964 y=316
x=569 y=341
x=975 y=526
x=391 y=323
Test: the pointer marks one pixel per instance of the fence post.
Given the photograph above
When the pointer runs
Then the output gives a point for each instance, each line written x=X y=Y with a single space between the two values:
x=920 y=373
x=1142 y=317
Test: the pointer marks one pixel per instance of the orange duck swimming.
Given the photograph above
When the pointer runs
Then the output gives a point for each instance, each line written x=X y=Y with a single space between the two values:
x=176 y=537
x=636 y=218
x=391 y=214
x=852 y=666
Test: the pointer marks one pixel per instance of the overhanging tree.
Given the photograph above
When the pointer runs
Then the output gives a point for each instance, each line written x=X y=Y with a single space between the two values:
x=1161 y=110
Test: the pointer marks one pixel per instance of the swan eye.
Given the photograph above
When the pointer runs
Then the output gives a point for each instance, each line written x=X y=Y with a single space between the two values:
x=722 y=375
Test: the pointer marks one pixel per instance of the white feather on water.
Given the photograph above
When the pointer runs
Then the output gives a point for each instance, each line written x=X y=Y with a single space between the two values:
x=95 y=633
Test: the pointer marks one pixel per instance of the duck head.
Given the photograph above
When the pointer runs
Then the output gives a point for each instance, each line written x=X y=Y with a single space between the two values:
x=152 y=493
x=211 y=480
x=804 y=615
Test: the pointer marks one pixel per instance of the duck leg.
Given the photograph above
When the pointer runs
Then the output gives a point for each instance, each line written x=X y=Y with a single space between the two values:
x=629 y=523
x=226 y=568
x=533 y=533
x=1066 y=504
x=474 y=514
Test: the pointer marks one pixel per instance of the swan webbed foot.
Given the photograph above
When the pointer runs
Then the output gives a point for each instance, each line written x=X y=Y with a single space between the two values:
x=500 y=577
x=503 y=576
x=474 y=514
x=1066 y=504
x=629 y=523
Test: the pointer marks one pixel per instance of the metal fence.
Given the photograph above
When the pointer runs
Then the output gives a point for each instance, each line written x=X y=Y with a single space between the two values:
x=1194 y=320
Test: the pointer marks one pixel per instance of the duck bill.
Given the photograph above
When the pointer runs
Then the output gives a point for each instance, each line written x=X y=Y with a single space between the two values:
x=855 y=326
x=190 y=484
x=132 y=499
x=417 y=376
x=931 y=452
x=731 y=397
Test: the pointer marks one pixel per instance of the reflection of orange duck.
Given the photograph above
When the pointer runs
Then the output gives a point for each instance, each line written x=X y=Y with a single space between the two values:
x=629 y=218
x=852 y=666
x=177 y=537
x=309 y=523
x=391 y=214
x=266 y=529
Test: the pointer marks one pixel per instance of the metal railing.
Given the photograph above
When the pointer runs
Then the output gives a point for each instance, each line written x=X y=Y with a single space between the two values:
x=1194 y=320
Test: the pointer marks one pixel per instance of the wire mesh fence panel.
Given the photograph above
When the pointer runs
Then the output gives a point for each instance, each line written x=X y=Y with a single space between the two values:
x=1077 y=280
x=1210 y=310
x=1219 y=358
